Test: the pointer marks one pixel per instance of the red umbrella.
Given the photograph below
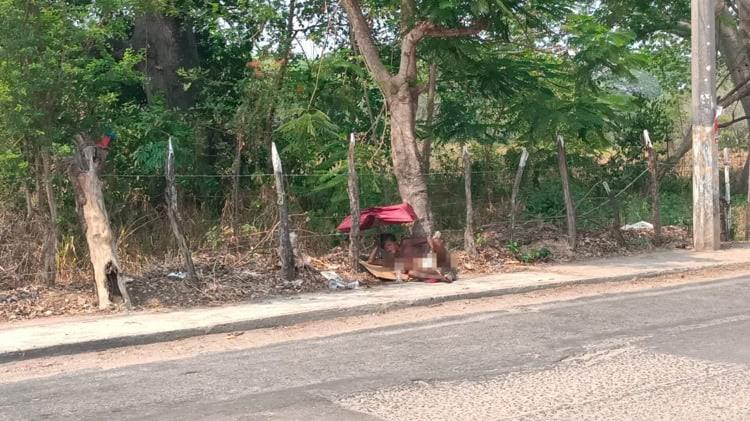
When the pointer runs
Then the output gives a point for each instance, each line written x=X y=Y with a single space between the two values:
x=381 y=215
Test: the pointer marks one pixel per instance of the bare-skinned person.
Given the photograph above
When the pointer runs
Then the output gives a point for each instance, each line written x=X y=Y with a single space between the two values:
x=417 y=257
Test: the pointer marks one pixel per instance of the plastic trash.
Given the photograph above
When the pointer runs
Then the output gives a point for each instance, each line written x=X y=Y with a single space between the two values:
x=638 y=226
x=177 y=275
x=335 y=281
x=334 y=284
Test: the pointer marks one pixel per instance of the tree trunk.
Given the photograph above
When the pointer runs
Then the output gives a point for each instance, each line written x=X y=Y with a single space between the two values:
x=431 y=93
x=50 y=244
x=469 y=245
x=169 y=45
x=412 y=183
x=570 y=209
x=175 y=219
x=83 y=169
x=733 y=46
x=401 y=93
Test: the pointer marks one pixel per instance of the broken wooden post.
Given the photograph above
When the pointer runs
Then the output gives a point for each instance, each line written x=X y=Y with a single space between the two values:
x=616 y=223
x=175 y=219
x=469 y=245
x=50 y=243
x=354 y=207
x=570 y=208
x=286 y=254
x=652 y=169
x=727 y=195
x=83 y=168
x=516 y=187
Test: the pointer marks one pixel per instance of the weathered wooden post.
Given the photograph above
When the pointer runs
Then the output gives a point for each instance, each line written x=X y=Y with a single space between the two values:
x=236 y=168
x=50 y=243
x=354 y=207
x=469 y=245
x=286 y=254
x=616 y=223
x=655 y=200
x=570 y=208
x=83 y=169
x=516 y=188
x=175 y=218
x=727 y=195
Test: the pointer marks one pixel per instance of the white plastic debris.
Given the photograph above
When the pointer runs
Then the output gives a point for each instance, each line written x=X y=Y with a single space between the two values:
x=335 y=281
x=177 y=275
x=638 y=226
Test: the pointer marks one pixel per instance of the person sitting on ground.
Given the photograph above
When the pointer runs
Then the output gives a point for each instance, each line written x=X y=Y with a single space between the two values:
x=387 y=252
x=417 y=257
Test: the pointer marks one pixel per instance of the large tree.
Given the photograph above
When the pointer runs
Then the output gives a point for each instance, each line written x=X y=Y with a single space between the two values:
x=648 y=18
x=401 y=93
x=419 y=21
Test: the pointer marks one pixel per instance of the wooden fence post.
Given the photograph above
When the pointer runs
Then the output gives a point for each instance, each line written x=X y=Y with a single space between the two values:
x=655 y=202
x=354 y=206
x=727 y=195
x=570 y=208
x=286 y=254
x=236 y=168
x=469 y=245
x=516 y=188
x=175 y=219
x=616 y=223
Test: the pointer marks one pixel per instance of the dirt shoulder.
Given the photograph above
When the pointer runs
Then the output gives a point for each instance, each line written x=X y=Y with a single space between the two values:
x=229 y=278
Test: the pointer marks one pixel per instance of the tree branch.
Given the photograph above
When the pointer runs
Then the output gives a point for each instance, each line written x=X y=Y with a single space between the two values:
x=365 y=42
x=736 y=120
x=408 y=66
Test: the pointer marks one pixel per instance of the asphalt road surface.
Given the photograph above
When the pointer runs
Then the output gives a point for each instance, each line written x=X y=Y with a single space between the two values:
x=680 y=353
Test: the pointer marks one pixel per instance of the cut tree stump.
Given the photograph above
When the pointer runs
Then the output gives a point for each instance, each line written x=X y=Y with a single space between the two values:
x=83 y=170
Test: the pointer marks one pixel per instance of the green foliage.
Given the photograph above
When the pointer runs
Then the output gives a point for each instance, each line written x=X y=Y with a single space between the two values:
x=598 y=75
x=527 y=256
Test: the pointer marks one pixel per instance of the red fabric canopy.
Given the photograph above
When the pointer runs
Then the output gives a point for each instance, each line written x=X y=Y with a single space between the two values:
x=381 y=215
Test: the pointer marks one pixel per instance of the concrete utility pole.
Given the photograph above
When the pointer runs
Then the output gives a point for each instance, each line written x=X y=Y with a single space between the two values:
x=706 y=216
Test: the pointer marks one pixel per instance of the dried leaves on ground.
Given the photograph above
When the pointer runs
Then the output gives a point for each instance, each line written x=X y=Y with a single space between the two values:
x=229 y=277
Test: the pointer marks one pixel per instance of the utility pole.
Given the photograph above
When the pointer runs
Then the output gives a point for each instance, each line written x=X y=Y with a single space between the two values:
x=706 y=216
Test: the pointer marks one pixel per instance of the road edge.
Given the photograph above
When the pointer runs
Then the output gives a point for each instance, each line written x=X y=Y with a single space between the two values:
x=318 y=315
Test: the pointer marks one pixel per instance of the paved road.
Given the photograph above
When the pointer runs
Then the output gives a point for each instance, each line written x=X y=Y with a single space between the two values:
x=681 y=353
